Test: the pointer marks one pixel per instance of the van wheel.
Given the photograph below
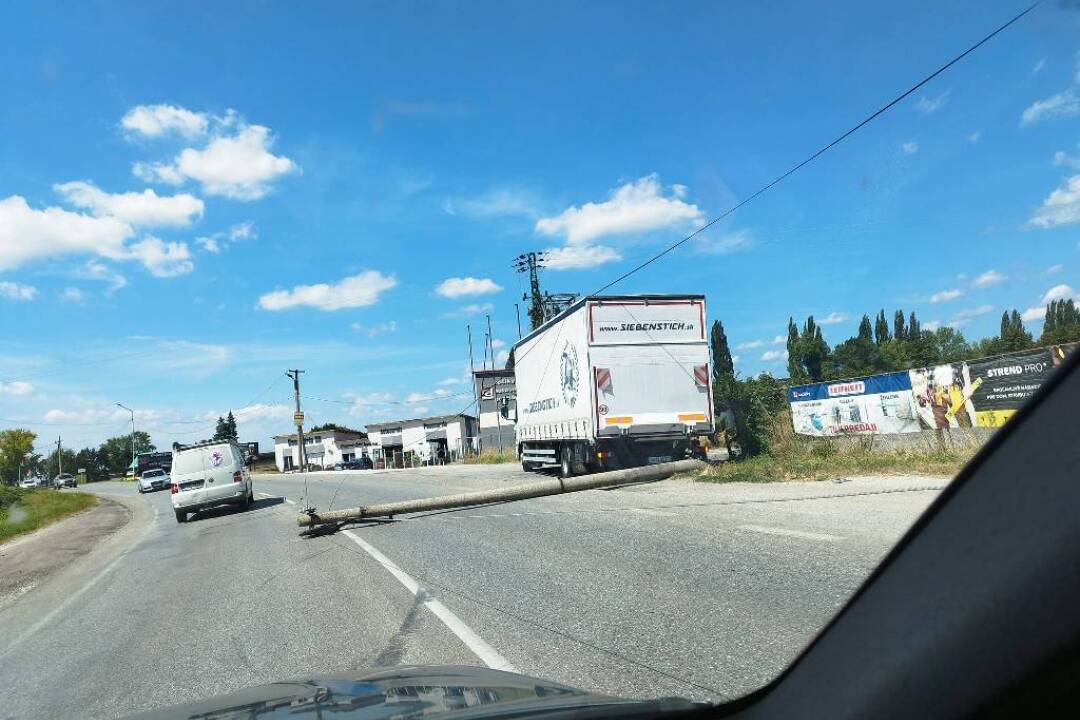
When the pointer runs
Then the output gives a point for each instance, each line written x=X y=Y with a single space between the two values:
x=566 y=466
x=181 y=516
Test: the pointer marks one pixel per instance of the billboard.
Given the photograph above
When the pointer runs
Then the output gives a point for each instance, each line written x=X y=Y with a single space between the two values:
x=877 y=404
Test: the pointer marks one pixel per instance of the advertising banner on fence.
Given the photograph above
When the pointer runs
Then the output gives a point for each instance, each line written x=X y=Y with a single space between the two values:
x=878 y=404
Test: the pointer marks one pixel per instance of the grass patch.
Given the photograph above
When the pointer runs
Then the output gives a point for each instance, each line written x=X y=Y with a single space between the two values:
x=491 y=457
x=793 y=457
x=24 y=510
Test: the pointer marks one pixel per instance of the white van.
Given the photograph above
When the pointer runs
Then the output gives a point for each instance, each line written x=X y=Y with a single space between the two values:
x=207 y=474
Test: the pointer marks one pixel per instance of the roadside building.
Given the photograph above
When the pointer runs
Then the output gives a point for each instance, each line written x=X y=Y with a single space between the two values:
x=324 y=448
x=493 y=388
x=442 y=438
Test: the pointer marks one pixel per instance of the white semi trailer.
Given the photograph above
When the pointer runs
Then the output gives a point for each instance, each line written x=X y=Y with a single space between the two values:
x=612 y=382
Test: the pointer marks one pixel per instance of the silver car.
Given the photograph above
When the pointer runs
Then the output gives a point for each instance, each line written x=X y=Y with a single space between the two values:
x=153 y=479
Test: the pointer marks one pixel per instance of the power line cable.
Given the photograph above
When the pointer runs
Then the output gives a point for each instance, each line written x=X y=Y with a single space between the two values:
x=791 y=171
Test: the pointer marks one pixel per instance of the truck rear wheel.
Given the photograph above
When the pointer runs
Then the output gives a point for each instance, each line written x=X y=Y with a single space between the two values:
x=566 y=463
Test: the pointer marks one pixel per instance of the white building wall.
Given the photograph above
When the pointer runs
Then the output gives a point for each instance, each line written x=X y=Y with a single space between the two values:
x=413 y=437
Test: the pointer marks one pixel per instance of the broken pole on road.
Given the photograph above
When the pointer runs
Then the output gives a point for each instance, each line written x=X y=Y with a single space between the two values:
x=554 y=486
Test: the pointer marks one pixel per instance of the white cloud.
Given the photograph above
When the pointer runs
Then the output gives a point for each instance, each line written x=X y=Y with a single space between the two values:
x=376 y=330
x=1055 y=269
x=635 y=207
x=238 y=166
x=163 y=259
x=932 y=325
x=220 y=241
x=27 y=234
x=910 y=147
x=16 y=388
x=72 y=294
x=97 y=271
x=496 y=343
x=500 y=202
x=735 y=359
x=750 y=345
x=157 y=172
x=780 y=340
x=476 y=308
x=1058 y=292
x=259 y=411
x=928 y=106
x=580 y=257
x=1063 y=104
x=86 y=416
x=774 y=355
x=450 y=381
x=356 y=291
x=1063 y=159
x=723 y=244
x=502 y=357
x=1034 y=314
x=833 y=318
x=965 y=316
x=17 y=291
x=1039 y=66
x=1061 y=207
x=158 y=120
x=974 y=137
x=946 y=295
x=988 y=278
x=463 y=287
x=145 y=209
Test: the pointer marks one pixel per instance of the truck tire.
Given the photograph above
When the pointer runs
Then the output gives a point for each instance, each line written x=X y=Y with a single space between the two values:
x=566 y=463
x=181 y=516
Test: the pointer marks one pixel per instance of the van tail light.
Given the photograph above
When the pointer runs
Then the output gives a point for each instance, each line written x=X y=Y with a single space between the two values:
x=237 y=477
x=174 y=488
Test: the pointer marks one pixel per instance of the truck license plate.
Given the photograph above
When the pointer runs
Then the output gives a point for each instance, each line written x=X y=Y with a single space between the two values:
x=657 y=459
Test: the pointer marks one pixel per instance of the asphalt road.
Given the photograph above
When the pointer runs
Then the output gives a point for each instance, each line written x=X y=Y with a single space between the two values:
x=671 y=588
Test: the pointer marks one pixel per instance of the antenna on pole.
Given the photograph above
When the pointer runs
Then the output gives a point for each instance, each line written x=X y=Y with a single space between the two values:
x=532 y=262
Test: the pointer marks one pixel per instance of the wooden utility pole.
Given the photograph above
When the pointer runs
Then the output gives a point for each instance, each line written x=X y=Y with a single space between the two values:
x=299 y=418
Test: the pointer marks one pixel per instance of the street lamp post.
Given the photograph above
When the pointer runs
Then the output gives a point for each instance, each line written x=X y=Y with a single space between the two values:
x=132 y=436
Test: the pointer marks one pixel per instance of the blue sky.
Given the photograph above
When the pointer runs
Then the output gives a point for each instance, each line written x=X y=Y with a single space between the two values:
x=193 y=200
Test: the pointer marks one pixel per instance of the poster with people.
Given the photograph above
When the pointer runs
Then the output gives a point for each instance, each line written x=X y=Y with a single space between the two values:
x=939 y=396
x=877 y=404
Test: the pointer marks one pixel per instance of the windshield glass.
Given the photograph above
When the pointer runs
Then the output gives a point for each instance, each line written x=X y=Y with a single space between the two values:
x=789 y=266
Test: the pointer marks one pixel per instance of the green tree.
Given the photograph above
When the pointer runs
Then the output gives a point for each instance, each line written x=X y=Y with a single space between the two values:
x=116 y=451
x=1014 y=336
x=881 y=328
x=230 y=427
x=90 y=460
x=796 y=371
x=221 y=430
x=899 y=332
x=721 y=353
x=16 y=450
x=756 y=402
x=950 y=345
x=813 y=351
x=1062 y=323
x=70 y=464
x=913 y=328
x=866 y=332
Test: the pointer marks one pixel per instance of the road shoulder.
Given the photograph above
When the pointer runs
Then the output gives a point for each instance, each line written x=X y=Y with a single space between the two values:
x=45 y=571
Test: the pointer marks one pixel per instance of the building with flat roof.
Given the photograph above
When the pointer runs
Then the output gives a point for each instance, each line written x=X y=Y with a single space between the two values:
x=440 y=438
x=323 y=448
x=493 y=388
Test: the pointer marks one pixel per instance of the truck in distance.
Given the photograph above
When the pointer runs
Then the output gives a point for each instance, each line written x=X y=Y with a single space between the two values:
x=612 y=382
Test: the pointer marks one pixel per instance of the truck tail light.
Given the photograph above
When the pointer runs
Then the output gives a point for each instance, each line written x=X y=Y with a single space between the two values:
x=237 y=477
x=174 y=488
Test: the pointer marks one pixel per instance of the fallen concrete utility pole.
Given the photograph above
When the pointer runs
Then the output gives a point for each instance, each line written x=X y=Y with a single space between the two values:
x=554 y=486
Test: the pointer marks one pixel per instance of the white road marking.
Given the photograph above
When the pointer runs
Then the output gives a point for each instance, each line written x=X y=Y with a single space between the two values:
x=791 y=533
x=474 y=642
x=268 y=495
x=650 y=511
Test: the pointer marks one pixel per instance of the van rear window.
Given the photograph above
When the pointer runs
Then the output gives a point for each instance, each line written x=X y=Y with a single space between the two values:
x=188 y=462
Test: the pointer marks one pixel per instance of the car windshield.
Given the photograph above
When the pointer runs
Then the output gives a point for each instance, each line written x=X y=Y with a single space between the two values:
x=610 y=343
